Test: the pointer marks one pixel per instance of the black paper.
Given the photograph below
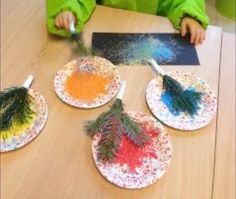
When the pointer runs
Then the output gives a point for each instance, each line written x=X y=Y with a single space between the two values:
x=130 y=48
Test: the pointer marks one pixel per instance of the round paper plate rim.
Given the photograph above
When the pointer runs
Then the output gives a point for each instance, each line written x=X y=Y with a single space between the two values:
x=163 y=134
x=20 y=141
x=66 y=98
x=165 y=121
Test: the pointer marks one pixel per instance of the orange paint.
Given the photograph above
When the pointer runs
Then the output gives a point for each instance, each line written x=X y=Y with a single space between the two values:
x=86 y=86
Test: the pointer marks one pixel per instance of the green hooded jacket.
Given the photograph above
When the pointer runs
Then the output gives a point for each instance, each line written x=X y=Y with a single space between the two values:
x=82 y=9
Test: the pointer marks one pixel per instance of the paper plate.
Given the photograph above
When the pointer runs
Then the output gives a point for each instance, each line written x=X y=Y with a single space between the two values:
x=156 y=157
x=183 y=121
x=38 y=123
x=94 y=65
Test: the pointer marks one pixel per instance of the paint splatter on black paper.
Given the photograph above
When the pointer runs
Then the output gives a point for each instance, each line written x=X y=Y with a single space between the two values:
x=132 y=48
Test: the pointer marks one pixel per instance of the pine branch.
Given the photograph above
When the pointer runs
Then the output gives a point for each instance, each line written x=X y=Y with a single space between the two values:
x=94 y=126
x=178 y=98
x=117 y=106
x=182 y=100
x=110 y=140
x=187 y=101
x=82 y=49
x=112 y=125
x=133 y=131
x=171 y=85
x=6 y=96
x=15 y=106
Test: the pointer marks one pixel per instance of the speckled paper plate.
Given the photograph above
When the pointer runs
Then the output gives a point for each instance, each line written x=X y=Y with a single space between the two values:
x=152 y=167
x=183 y=121
x=18 y=141
x=95 y=65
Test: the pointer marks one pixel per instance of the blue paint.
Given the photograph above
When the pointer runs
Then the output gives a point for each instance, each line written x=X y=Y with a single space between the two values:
x=131 y=48
x=147 y=48
x=190 y=95
x=167 y=99
x=163 y=53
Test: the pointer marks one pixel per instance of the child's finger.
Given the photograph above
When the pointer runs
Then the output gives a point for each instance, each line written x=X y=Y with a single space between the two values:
x=197 y=38
x=201 y=37
x=74 y=19
x=183 y=29
x=65 y=22
x=67 y=25
x=60 y=22
x=193 y=35
x=71 y=18
x=57 y=22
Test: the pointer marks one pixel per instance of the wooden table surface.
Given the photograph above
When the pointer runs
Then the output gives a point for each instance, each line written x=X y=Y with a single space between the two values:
x=58 y=163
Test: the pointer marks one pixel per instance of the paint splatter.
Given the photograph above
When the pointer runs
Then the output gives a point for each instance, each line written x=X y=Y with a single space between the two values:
x=132 y=48
x=166 y=98
x=19 y=129
x=133 y=155
x=188 y=94
x=87 y=86
x=146 y=48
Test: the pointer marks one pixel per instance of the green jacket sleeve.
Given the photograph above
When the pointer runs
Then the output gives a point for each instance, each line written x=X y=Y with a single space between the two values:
x=180 y=8
x=82 y=10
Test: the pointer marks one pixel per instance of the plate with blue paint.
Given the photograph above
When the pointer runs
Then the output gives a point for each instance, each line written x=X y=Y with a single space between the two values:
x=159 y=102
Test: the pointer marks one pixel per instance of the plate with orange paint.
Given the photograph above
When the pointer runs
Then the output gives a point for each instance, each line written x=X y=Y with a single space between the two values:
x=137 y=167
x=20 y=135
x=87 y=82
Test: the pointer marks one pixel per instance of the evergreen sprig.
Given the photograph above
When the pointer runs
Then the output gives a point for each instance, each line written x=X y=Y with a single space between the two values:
x=178 y=98
x=81 y=48
x=15 y=106
x=112 y=125
x=171 y=85
x=110 y=140
x=185 y=100
x=133 y=131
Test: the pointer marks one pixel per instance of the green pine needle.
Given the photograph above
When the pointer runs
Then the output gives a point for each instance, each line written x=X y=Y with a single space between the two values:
x=112 y=125
x=117 y=106
x=189 y=101
x=171 y=85
x=133 y=131
x=82 y=49
x=110 y=140
x=182 y=100
x=93 y=126
x=15 y=106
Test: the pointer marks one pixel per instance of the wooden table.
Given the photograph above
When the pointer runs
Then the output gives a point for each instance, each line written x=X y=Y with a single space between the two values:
x=58 y=164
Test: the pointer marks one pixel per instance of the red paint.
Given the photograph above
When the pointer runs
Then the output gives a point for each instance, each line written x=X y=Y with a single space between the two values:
x=133 y=155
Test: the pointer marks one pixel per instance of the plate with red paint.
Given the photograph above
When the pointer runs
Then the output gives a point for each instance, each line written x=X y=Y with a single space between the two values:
x=17 y=137
x=87 y=82
x=137 y=167
x=183 y=121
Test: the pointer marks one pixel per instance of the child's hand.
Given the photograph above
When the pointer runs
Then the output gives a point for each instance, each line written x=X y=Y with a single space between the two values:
x=63 y=19
x=197 y=32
